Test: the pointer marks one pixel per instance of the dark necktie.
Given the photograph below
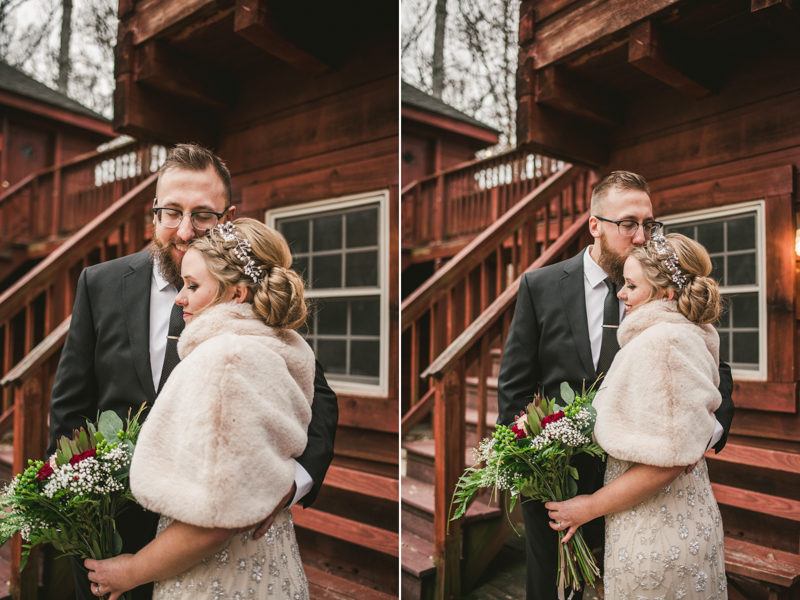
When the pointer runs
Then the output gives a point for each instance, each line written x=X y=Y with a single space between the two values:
x=610 y=346
x=171 y=359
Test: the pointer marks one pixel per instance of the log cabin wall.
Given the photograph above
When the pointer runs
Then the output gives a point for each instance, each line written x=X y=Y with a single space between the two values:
x=305 y=114
x=702 y=99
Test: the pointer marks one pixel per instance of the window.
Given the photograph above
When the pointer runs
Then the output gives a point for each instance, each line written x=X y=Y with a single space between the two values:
x=340 y=248
x=734 y=238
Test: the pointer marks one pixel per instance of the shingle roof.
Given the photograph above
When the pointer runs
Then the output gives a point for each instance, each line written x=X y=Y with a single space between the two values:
x=419 y=99
x=13 y=80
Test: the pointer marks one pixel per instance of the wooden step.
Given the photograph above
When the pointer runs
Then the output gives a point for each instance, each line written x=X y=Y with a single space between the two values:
x=497 y=355
x=472 y=426
x=757 y=502
x=764 y=564
x=374 y=538
x=420 y=496
x=416 y=555
x=763 y=458
x=326 y=586
x=375 y=486
x=420 y=460
x=491 y=393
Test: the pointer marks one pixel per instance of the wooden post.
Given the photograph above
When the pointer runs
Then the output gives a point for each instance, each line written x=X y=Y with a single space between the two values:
x=413 y=385
x=438 y=211
x=29 y=443
x=4 y=155
x=449 y=434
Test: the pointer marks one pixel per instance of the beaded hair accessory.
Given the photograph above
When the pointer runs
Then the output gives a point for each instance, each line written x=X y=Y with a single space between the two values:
x=241 y=251
x=670 y=260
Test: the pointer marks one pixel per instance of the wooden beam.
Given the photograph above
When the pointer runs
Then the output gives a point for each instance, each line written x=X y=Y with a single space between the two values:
x=160 y=66
x=486 y=135
x=783 y=16
x=567 y=92
x=649 y=51
x=164 y=16
x=98 y=125
x=253 y=22
x=143 y=112
x=361 y=534
x=558 y=135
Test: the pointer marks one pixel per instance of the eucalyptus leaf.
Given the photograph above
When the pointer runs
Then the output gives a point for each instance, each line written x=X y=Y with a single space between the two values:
x=109 y=424
x=117 y=544
x=572 y=487
x=573 y=472
x=567 y=395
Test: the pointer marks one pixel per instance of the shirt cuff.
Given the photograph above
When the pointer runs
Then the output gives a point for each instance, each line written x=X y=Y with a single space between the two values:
x=304 y=482
x=718 y=431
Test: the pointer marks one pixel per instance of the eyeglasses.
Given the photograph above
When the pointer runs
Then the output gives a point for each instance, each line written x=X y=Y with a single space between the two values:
x=202 y=220
x=628 y=228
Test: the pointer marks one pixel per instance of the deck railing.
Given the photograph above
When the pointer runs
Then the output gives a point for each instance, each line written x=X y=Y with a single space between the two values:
x=464 y=200
x=57 y=201
x=34 y=320
x=447 y=303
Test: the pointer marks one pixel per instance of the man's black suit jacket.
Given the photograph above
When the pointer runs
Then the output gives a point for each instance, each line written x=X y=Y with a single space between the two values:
x=105 y=365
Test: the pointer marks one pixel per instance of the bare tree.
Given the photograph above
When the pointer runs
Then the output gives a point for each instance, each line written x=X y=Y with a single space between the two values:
x=63 y=53
x=438 y=48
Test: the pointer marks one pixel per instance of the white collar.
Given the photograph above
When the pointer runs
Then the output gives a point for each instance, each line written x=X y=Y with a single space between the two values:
x=594 y=273
x=159 y=280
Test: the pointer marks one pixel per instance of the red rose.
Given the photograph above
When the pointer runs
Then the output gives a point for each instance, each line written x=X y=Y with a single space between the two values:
x=83 y=455
x=45 y=472
x=552 y=418
x=519 y=432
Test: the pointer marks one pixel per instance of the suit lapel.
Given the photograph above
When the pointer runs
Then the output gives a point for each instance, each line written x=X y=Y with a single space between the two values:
x=574 y=296
x=136 y=296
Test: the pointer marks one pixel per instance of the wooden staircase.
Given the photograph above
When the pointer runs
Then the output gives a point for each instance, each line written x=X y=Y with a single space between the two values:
x=348 y=540
x=454 y=327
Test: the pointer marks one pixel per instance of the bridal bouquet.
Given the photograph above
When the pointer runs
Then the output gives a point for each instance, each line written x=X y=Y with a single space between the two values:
x=533 y=458
x=72 y=500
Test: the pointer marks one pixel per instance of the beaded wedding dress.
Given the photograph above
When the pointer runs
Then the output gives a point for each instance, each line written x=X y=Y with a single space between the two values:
x=668 y=547
x=245 y=569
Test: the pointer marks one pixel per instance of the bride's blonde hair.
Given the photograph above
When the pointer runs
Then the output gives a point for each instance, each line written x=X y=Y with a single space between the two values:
x=279 y=299
x=699 y=299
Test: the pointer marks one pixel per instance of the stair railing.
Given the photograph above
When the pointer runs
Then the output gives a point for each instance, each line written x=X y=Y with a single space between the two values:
x=464 y=200
x=55 y=202
x=34 y=318
x=445 y=305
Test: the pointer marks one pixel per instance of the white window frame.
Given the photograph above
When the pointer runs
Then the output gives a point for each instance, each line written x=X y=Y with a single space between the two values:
x=757 y=207
x=381 y=198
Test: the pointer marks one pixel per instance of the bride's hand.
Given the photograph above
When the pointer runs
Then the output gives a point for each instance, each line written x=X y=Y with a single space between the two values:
x=569 y=515
x=112 y=576
x=262 y=526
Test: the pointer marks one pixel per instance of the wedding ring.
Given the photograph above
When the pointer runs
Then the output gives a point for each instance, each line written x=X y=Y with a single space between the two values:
x=559 y=524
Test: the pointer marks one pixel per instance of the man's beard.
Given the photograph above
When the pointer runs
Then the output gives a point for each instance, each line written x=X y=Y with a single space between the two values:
x=167 y=267
x=611 y=262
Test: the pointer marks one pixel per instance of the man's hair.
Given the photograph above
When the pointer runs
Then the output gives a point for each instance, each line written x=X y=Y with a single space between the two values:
x=619 y=181
x=194 y=157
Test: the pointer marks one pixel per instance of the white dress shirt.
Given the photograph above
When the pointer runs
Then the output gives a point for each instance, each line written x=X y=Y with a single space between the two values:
x=162 y=299
x=595 y=290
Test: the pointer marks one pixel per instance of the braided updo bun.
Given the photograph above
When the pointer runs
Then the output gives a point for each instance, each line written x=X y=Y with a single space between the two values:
x=698 y=300
x=278 y=300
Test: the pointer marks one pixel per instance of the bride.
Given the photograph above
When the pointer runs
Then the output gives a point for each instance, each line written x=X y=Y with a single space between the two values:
x=655 y=413
x=215 y=453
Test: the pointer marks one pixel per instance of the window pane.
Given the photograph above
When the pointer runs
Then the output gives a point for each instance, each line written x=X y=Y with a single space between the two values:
x=724 y=341
x=712 y=236
x=333 y=356
x=687 y=230
x=745 y=347
x=744 y=309
x=724 y=313
x=742 y=233
x=327 y=271
x=366 y=317
x=362 y=228
x=328 y=233
x=365 y=358
x=741 y=269
x=332 y=317
x=362 y=269
x=301 y=266
x=718 y=268
x=296 y=233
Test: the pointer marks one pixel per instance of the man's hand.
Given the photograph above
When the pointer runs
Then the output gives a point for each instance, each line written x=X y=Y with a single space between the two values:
x=690 y=468
x=261 y=528
x=112 y=576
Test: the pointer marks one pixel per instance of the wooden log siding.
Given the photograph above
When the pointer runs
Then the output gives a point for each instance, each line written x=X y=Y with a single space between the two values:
x=463 y=201
x=53 y=203
x=446 y=304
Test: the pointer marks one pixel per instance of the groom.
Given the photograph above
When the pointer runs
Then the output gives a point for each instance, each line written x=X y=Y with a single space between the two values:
x=117 y=355
x=564 y=329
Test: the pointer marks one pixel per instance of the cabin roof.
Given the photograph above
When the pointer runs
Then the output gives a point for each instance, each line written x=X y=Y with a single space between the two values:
x=17 y=82
x=415 y=97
